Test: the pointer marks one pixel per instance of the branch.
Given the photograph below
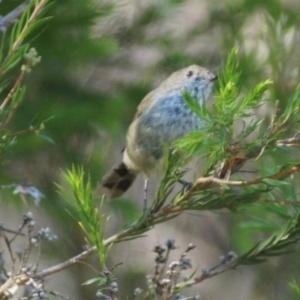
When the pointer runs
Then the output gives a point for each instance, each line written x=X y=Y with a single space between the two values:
x=85 y=254
x=23 y=278
x=208 y=182
x=169 y=209
x=274 y=245
x=205 y=181
x=11 y=231
x=20 y=38
x=64 y=265
x=229 y=263
x=9 y=96
x=4 y=289
x=145 y=223
x=32 y=18
x=293 y=141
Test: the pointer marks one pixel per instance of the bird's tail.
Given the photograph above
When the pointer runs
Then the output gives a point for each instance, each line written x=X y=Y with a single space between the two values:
x=119 y=180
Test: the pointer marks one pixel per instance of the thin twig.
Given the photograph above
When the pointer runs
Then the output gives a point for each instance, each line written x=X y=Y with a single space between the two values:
x=8 y=245
x=59 y=295
x=10 y=94
x=17 y=233
x=21 y=132
x=26 y=252
x=163 y=268
x=210 y=180
x=289 y=142
x=90 y=266
x=231 y=265
x=66 y=264
x=221 y=268
x=207 y=182
x=37 y=260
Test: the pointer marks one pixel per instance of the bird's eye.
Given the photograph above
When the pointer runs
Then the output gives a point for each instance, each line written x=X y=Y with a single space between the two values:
x=189 y=73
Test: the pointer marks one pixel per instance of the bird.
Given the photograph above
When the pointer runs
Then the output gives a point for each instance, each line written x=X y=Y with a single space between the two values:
x=162 y=117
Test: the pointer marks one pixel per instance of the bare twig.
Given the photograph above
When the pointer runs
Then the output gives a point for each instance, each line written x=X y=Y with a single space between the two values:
x=37 y=260
x=9 y=96
x=27 y=252
x=11 y=231
x=204 y=181
x=90 y=266
x=59 y=295
x=8 y=245
x=220 y=268
x=232 y=262
x=22 y=132
x=293 y=141
x=66 y=264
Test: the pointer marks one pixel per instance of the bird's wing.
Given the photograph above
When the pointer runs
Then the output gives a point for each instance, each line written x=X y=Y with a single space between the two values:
x=145 y=103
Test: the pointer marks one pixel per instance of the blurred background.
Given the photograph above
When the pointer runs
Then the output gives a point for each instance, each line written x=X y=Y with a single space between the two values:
x=99 y=59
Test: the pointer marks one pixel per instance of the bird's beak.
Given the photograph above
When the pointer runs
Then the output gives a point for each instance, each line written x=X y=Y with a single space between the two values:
x=213 y=78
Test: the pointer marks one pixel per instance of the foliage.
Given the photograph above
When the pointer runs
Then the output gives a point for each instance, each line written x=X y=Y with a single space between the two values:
x=16 y=54
x=91 y=220
x=296 y=290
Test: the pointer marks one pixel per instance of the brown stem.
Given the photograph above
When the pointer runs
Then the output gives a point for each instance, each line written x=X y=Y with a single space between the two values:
x=12 y=91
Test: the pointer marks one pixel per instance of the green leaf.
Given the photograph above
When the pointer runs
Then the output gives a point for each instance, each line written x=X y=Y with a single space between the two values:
x=46 y=138
x=295 y=288
x=18 y=96
x=100 y=280
x=253 y=98
x=15 y=59
x=35 y=25
x=274 y=182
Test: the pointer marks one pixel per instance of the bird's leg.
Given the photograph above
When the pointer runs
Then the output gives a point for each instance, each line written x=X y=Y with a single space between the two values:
x=145 y=206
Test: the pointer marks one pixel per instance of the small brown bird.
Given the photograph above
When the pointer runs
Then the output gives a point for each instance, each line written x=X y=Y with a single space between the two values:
x=161 y=118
